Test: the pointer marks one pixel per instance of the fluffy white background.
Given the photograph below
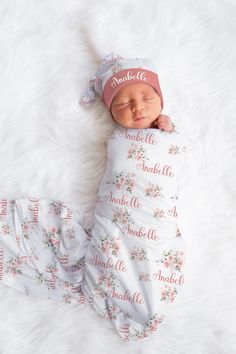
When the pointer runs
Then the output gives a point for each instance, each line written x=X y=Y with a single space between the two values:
x=50 y=147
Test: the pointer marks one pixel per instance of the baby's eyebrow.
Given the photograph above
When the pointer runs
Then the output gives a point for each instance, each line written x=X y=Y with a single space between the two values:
x=122 y=98
x=148 y=92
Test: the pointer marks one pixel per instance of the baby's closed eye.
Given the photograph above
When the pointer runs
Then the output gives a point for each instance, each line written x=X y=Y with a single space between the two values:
x=148 y=98
x=121 y=103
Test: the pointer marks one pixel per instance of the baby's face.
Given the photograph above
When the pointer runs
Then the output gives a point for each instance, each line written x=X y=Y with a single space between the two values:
x=136 y=106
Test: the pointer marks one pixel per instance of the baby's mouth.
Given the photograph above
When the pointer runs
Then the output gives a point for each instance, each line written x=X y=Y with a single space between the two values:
x=137 y=118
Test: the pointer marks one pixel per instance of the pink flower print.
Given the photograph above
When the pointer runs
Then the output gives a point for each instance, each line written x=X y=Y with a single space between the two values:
x=151 y=325
x=154 y=321
x=112 y=59
x=131 y=151
x=130 y=185
x=124 y=182
x=173 y=260
x=55 y=207
x=159 y=213
x=70 y=233
x=174 y=149
x=111 y=312
x=51 y=269
x=25 y=229
x=106 y=282
x=141 y=335
x=179 y=260
x=5 y=229
x=130 y=182
x=120 y=183
x=54 y=235
x=122 y=216
x=51 y=237
x=153 y=191
x=66 y=284
x=168 y=293
x=144 y=276
x=110 y=246
x=14 y=265
x=116 y=68
x=105 y=246
x=136 y=152
x=115 y=245
x=139 y=254
x=67 y=298
x=119 y=180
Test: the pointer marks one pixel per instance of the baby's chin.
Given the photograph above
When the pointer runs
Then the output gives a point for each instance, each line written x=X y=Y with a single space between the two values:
x=137 y=124
x=141 y=124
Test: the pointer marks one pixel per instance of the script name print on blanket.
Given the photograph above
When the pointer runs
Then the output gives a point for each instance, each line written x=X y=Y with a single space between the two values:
x=129 y=266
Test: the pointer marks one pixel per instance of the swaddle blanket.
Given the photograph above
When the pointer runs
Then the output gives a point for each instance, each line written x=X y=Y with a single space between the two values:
x=134 y=262
x=42 y=248
x=129 y=267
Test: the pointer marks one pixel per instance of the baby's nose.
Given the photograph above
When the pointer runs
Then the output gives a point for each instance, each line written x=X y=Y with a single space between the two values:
x=137 y=106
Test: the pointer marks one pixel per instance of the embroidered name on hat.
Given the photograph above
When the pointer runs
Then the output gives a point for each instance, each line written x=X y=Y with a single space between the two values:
x=140 y=75
x=121 y=78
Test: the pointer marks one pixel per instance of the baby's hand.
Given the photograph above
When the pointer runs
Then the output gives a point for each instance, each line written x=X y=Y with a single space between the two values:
x=163 y=122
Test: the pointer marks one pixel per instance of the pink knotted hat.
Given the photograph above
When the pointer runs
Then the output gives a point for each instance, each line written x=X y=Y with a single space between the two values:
x=114 y=73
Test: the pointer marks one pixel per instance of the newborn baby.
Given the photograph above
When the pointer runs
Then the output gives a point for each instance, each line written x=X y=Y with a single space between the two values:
x=134 y=262
x=129 y=267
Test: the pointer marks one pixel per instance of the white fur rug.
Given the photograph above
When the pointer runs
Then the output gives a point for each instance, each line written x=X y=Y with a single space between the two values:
x=50 y=147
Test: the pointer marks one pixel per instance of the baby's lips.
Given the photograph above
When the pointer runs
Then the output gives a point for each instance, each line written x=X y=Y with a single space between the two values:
x=138 y=117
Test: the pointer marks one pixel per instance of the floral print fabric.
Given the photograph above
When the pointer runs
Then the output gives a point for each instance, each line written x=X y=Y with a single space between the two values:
x=129 y=266
x=42 y=248
x=135 y=259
